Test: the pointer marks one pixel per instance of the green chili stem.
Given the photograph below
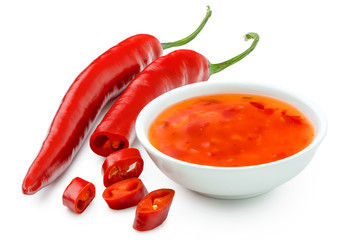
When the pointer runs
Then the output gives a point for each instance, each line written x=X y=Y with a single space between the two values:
x=214 y=68
x=191 y=36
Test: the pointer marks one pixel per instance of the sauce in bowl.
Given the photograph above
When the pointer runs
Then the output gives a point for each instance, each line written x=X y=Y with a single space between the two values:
x=231 y=130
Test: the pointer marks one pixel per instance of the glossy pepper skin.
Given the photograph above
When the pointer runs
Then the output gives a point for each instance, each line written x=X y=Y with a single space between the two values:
x=104 y=79
x=123 y=164
x=153 y=209
x=124 y=194
x=168 y=72
x=78 y=195
x=176 y=69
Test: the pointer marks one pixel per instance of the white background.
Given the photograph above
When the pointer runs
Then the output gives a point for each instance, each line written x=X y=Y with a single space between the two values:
x=308 y=46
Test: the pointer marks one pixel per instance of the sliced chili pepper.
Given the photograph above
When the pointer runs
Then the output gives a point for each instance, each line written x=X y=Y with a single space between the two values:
x=176 y=69
x=125 y=194
x=294 y=119
x=153 y=210
x=257 y=105
x=261 y=106
x=78 y=195
x=104 y=79
x=123 y=164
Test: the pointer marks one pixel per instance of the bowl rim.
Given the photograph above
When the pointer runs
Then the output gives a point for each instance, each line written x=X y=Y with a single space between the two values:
x=143 y=139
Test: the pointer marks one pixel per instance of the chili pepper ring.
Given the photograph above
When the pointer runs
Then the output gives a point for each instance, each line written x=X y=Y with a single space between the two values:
x=124 y=194
x=123 y=164
x=78 y=195
x=153 y=209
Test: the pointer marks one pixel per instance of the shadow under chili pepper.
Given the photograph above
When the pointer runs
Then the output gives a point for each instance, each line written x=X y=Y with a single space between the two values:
x=51 y=190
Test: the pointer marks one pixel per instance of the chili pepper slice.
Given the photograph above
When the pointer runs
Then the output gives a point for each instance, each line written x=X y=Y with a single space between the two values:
x=153 y=210
x=104 y=79
x=123 y=164
x=176 y=69
x=78 y=195
x=125 y=194
x=292 y=119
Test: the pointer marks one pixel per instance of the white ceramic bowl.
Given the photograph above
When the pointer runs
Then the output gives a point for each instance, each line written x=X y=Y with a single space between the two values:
x=230 y=182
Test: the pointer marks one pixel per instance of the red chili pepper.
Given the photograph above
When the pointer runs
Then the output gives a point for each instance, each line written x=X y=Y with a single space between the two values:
x=105 y=78
x=78 y=195
x=258 y=105
x=153 y=210
x=123 y=164
x=125 y=194
x=293 y=119
x=176 y=69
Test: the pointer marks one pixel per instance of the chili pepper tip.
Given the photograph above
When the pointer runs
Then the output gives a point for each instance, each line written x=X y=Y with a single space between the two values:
x=30 y=187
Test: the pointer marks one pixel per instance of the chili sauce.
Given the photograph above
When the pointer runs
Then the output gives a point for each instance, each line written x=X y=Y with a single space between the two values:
x=231 y=130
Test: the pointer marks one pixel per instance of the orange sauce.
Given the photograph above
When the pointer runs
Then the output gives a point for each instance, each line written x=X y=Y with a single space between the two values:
x=231 y=130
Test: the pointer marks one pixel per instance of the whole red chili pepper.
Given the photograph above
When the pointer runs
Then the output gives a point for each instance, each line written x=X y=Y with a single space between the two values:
x=105 y=78
x=125 y=194
x=123 y=164
x=176 y=69
x=78 y=195
x=153 y=209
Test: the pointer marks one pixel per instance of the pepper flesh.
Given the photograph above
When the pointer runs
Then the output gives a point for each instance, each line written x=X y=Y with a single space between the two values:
x=123 y=164
x=124 y=194
x=104 y=79
x=176 y=69
x=78 y=195
x=153 y=209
